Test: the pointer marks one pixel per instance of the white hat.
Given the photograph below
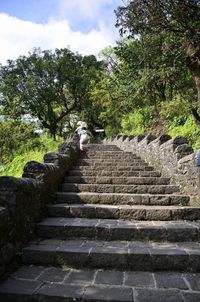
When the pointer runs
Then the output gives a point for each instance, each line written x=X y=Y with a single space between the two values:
x=82 y=124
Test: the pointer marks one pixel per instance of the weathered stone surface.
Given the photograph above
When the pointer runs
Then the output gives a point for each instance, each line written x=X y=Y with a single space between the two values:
x=61 y=292
x=126 y=218
x=107 y=294
x=26 y=287
x=118 y=229
x=191 y=296
x=47 y=284
x=193 y=280
x=139 y=279
x=170 y=157
x=170 y=280
x=158 y=214
x=151 y=295
x=109 y=277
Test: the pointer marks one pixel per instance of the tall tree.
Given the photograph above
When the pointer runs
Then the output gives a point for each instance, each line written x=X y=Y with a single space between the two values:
x=179 y=17
x=47 y=85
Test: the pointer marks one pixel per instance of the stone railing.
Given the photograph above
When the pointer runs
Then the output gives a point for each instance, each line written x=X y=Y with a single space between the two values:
x=173 y=157
x=23 y=200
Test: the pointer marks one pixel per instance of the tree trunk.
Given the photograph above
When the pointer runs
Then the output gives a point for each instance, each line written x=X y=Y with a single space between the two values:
x=193 y=63
x=52 y=130
x=196 y=116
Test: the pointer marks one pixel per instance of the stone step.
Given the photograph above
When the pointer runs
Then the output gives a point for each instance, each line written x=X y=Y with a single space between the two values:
x=101 y=147
x=114 y=173
x=118 y=180
x=127 y=212
x=91 y=152
x=112 y=168
x=122 y=255
x=110 y=165
x=110 y=157
x=110 y=188
x=121 y=198
x=49 y=283
x=105 y=229
x=110 y=162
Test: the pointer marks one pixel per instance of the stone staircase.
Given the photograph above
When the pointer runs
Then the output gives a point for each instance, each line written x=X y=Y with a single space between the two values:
x=118 y=231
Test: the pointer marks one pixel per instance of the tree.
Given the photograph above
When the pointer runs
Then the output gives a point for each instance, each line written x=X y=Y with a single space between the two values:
x=14 y=137
x=47 y=85
x=178 y=17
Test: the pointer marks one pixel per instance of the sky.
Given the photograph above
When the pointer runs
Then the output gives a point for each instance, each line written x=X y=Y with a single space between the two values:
x=85 y=26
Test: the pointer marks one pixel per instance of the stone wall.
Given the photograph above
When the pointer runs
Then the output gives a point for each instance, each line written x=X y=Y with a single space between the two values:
x=23 y=200
x=173 y=157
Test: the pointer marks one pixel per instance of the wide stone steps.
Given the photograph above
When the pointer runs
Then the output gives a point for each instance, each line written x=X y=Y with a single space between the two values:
x=105 y=229
x=113 y=168
x=104 y=148
x=114 y=188
x=121 y=198
x=100 y=173
x=87 y=162
x=113 y=157
x=122 y=255
x=126 y=212
x=117 y=180
x=104 y=166
x=41 y=283
x=117 y=231
x=104 y=153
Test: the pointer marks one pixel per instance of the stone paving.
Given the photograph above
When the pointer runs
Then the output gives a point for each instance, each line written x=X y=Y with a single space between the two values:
x=118 y=231
x=67 y=284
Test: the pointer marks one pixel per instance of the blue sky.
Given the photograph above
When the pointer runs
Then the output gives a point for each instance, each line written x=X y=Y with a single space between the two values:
x=86 y=26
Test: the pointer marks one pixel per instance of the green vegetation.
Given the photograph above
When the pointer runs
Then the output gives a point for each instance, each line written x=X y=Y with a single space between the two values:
x=15 y=167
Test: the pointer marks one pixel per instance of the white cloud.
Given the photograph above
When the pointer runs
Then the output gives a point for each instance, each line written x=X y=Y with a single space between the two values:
x=85 y=8
x=17 y=37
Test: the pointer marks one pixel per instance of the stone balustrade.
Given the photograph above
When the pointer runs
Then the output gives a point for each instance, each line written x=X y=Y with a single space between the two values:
x=173 y=157
x=23 y=200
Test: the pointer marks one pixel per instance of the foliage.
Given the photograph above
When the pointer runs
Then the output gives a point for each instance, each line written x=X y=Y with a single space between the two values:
x=138 y=122
x=188 y=130
x=25 y=153
x=15 y=135
x=175 y=111
x=48 y=85
x=179 y=19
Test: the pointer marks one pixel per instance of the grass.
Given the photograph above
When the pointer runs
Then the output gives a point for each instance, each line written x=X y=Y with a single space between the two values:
x=16 y=166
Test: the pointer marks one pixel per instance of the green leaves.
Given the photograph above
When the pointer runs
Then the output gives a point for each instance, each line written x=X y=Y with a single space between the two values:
x=48 y=85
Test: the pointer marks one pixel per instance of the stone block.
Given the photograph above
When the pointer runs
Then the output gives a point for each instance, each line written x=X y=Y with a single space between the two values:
x=139 y=259
x=108 y=257
x=159 y=200
x=169 y=259
x=170 y=280
x=60 y=292
x=155 y=295
x=152 y=232
x=19 y=287
x=139 y=279
x=193 y=280
x=132 y=214
x=107 y=293
x=109 y=277
x=29 y=272
x=191 y=296
x=84 y=277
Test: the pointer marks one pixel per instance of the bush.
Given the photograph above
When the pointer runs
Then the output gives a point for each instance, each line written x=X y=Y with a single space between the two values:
x=14 y=136
x=175 y=111
x=188 y=130
x=16 y=166
x=138 y=122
